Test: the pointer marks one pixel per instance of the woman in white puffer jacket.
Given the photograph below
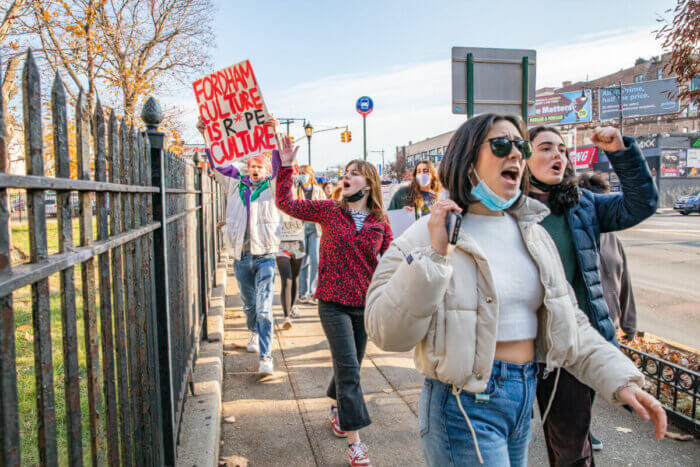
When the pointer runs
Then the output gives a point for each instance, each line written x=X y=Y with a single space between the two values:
x=485 y=315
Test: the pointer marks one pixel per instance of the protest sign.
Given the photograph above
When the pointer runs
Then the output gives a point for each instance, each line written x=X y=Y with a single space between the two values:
x=559 y=109
x=234 y=112
x=400 y=220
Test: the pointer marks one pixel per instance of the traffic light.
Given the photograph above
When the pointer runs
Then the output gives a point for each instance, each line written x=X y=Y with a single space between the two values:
x=348 y=136
x=343 y=139
x=291 y=138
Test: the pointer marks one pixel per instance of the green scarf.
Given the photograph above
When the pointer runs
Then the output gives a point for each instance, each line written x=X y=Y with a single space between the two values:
x=242 y=187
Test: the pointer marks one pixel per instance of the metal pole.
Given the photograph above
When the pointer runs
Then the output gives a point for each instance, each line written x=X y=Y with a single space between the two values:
x=525 y=96
x=309 y=139
x=470 y=85
x=364 y=133
x=620 y=89
x=288 y=122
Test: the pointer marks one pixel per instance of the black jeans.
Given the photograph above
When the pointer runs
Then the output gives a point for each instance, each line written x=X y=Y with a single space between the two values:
x=569 y=420
x=345 y=330
x=289 y=272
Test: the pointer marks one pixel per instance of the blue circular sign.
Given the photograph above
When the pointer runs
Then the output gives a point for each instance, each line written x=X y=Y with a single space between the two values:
x=364 y=105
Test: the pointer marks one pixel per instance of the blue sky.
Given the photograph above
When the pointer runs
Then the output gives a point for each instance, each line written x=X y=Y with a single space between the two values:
x=313 y=59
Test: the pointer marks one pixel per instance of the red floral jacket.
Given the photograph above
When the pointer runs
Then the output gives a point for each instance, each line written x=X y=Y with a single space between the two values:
x=348 y=258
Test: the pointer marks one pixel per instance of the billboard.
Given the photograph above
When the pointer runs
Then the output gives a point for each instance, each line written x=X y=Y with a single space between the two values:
x=693 y=162
x=639 y=99
x=673 y=162
x=563 y=108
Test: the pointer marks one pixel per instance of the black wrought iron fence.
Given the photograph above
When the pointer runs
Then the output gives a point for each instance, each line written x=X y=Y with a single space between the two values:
x=676 y=387
x=144 y=281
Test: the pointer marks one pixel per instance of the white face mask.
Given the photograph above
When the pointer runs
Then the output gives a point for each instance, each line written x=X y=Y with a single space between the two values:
x=423 y=179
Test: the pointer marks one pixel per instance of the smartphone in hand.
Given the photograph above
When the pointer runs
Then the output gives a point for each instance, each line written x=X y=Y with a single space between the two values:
x=452 y=223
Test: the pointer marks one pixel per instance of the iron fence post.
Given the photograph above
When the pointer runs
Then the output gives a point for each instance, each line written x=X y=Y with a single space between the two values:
x=152 y=116
x=203 y=278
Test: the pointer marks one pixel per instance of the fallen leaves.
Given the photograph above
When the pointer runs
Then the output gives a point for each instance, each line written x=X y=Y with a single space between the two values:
x=230 y=419
x=678 y=436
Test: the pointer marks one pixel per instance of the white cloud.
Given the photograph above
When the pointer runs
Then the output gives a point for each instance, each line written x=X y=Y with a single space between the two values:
x=413 y=102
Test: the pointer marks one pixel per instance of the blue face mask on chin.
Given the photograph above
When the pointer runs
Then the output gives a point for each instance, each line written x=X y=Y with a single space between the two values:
x=489 y=198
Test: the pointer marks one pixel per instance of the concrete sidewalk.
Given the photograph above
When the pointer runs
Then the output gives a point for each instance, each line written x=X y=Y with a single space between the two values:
x=281 y=420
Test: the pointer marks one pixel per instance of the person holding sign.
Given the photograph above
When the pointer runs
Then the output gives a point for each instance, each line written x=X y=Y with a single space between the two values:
x=252 y=229
x=355 y=233
x=484 y=314
x=577 y=219
x=421 y=193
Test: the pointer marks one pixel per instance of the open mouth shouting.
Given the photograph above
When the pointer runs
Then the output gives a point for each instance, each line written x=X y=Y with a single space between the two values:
x=511 y=175
x=557 y=168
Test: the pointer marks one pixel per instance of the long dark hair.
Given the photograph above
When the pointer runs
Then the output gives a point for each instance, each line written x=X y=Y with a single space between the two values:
x=566 y=194
x=415 y=198
x=463 y=152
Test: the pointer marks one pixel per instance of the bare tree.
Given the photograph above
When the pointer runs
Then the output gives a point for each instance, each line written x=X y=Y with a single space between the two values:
x=682 y=36
x=397 y=168
x=124 y=49
x=152 y=42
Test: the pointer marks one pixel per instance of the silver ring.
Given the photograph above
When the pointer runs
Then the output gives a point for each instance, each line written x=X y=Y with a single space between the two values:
x=656 y=404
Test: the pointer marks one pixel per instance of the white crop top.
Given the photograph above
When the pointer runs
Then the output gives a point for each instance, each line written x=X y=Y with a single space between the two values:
x=516 y=277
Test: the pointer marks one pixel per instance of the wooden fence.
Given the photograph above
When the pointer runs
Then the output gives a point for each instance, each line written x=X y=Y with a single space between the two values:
x=146 y=278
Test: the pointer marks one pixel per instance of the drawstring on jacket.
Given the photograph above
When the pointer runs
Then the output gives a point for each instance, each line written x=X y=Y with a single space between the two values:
x=456 y=392
x=551 y=398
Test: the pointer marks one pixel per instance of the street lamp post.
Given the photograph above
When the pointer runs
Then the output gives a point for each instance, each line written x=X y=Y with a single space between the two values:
x=308 y=129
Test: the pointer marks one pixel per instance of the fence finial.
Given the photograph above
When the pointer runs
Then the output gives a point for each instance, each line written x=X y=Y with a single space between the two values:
x=152 y=114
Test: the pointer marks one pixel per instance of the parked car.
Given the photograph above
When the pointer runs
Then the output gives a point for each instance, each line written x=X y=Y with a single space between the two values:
x=687 y=204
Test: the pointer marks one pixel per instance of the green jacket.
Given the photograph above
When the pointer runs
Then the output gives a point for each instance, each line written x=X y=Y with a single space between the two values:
x=400 y=199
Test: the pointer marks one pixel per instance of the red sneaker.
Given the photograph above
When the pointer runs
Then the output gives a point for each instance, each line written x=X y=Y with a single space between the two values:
x=357 y=455
x=335 y=423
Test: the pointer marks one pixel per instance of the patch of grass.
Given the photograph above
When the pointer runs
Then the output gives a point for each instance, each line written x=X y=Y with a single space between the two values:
x=24 y=347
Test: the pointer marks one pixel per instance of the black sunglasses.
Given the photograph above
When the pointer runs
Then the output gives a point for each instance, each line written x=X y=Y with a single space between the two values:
x=501 y=146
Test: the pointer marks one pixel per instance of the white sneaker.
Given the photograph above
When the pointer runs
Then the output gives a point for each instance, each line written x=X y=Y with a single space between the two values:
x=294 y=314
x=287 y=323
x=266 y=367
x=304 y=299
x=253 y=346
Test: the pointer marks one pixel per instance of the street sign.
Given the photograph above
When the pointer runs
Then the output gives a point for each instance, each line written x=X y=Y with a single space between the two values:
x=364 y=105
x=493 y=80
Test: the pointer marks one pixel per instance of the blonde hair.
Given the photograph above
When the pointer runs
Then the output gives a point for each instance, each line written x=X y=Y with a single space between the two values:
x=374 y=200
x=306 y=169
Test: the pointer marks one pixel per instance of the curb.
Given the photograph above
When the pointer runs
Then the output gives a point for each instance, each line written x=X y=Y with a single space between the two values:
x=200 y=430
x=672 y=344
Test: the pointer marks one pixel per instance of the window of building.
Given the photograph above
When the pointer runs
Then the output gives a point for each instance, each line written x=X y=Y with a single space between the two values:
x=639 y=78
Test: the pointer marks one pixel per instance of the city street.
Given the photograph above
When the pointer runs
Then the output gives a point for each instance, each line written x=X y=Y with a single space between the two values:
x=664 y=259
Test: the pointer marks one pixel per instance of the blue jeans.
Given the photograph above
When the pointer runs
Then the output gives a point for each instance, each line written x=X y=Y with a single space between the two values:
x=500 y=417
x=309 y=268
x=256 y=282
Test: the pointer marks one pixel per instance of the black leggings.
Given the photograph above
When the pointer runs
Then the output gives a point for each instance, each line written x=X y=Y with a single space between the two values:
x=289 y=271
